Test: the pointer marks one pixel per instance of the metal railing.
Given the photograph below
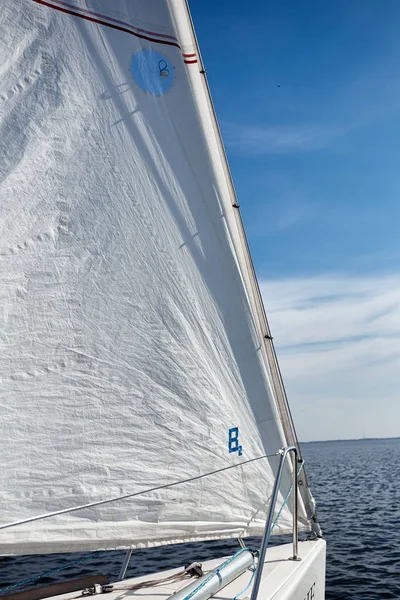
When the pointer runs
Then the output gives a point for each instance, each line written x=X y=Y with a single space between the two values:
x=125 y=565
x=268 y=525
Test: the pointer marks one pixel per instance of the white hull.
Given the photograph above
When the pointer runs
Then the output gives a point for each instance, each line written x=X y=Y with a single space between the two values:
x=282 y=579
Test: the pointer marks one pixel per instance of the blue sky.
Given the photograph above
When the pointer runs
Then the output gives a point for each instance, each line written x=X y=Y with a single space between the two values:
x=308 y=98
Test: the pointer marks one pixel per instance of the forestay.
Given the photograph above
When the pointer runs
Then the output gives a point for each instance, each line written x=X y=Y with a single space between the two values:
x=132 y=350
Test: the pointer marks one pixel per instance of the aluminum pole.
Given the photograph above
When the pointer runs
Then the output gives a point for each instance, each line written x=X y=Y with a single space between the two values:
x=268 y=526
x=125 y=565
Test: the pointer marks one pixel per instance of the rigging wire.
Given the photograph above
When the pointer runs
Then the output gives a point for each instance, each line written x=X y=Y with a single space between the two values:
x=286 y=498
x=132 y=495
x=178 y=576
x=48 y=573
x=216 y=572
x=255 y=553
x=182 y=575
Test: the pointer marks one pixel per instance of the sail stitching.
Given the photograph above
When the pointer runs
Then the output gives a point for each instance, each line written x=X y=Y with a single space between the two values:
x=119 y=25
x=118 y=21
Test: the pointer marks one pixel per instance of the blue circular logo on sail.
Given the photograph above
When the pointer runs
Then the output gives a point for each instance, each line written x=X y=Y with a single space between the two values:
x=152 y=72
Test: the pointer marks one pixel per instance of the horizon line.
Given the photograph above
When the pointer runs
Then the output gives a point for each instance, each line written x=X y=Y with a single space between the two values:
x=363 y=439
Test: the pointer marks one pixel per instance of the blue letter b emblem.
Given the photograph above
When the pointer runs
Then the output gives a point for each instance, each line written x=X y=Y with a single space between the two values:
x=233 y=441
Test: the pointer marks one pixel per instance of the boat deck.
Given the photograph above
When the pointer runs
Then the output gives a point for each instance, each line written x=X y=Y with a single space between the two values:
x=282 y=578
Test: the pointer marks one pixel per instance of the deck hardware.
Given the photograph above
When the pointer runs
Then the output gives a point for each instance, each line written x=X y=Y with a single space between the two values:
x=267 y=531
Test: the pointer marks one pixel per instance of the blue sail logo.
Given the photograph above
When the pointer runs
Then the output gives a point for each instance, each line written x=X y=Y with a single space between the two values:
x=152 y=71
x=233 y=441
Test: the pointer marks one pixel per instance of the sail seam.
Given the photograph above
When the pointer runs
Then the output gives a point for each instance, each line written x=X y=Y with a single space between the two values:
x=107 y=24
x=108 y=18
x=119 y=25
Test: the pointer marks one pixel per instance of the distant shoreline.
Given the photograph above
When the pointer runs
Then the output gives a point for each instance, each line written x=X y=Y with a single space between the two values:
x=377 y=439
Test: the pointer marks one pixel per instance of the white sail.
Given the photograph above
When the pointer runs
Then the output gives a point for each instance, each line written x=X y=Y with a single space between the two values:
x=132 y=347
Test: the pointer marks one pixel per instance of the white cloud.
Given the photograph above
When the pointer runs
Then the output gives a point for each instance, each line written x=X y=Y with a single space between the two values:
x=280 y=138
x=338 y=341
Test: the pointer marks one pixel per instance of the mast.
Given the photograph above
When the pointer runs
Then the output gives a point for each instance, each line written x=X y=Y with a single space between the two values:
x=250 y=278
x=240 y=241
